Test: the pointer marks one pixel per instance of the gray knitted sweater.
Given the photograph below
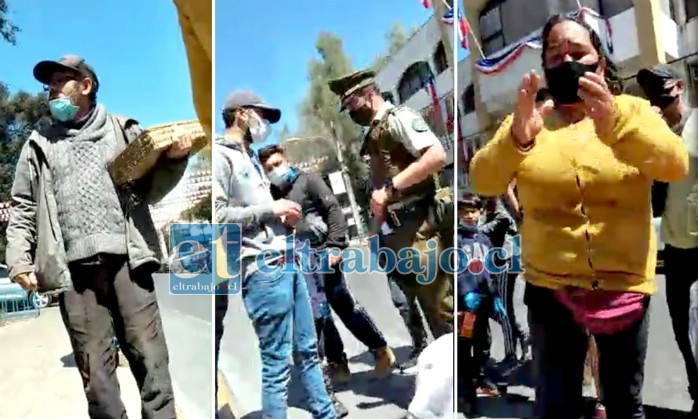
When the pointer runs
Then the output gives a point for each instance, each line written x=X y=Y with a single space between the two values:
x=89 y=211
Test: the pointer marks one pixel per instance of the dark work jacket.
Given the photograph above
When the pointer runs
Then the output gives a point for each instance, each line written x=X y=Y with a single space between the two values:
x=497 y=224
x=474 y=244
x=318 y=204
x=322 y=223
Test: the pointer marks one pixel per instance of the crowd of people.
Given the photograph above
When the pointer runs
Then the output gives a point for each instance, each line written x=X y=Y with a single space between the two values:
x=588 y=166
x=290 y=308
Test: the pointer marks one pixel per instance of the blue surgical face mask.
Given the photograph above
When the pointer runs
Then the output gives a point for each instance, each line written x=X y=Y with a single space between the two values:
x=62 y=109
x=282 y=175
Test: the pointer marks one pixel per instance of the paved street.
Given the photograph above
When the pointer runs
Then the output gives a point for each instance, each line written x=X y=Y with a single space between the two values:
x=665 y=391
x=40 y=379
x=364 y=398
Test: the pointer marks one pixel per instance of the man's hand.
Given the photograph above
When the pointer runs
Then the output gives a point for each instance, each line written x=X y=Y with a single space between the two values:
x=334 y=257
x=288 y=211
x=27 y=281
x=180 y=148
x=379 y=197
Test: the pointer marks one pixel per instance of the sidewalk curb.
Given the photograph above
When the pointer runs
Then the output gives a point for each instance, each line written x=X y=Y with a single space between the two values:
x=228 y=407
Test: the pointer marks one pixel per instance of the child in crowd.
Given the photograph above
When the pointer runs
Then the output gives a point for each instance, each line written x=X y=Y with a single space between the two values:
x=477 y=302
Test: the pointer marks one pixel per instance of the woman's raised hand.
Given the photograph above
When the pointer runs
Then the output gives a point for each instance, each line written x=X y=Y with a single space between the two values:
x=528 y=117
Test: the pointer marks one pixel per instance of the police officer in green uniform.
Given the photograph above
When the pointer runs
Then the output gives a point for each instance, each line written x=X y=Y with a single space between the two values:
x=405 y=159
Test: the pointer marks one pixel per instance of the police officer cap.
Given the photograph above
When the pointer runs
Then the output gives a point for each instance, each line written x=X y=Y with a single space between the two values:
x=350 y=83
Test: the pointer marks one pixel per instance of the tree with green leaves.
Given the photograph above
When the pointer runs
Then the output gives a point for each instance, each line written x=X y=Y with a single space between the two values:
x=199 y=212
x=20 y=114
x=319 y=111
x=8 y=31
x=395 y=39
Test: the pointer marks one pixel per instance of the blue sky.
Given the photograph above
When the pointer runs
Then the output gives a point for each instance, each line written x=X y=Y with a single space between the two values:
x=267 y=49
x=135 y=48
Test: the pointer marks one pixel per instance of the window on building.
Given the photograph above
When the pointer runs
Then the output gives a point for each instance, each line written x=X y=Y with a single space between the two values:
x=468 y=99
x=491 y=28
x=413 y=79
x=691 y=9
x=440 y=60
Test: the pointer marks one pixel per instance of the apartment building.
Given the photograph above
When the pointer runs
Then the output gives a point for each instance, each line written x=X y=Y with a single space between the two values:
x=636 y=33
x=420 y=76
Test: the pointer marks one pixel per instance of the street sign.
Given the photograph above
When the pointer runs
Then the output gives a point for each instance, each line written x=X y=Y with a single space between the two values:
x=337 y=183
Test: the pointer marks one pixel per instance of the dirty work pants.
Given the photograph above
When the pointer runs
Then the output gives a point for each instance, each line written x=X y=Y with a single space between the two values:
x=560 y=347
x=278 y=305
x=418 y=230
x=195 y=19
x=107 y=290
x=682 y=300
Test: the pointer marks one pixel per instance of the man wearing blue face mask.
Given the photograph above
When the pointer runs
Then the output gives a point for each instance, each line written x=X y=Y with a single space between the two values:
x=323 y=227
x=73 y=231
x=277 y=302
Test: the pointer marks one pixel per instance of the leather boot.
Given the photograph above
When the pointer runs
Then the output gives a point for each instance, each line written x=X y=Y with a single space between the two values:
x=385 y=361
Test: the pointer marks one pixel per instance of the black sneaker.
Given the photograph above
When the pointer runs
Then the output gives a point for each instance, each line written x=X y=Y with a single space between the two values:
x=508 y=365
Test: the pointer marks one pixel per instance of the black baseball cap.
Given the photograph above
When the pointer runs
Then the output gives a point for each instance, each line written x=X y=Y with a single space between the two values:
x=44 y=70
x=652 y=80
x=249 y=99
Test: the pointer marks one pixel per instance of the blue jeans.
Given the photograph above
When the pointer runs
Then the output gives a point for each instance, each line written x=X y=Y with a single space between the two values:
x=278 y=305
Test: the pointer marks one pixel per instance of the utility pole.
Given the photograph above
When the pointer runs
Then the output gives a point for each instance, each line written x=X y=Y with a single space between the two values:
x=347 y=182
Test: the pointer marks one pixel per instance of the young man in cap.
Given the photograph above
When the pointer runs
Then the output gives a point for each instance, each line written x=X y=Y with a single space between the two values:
x=73 y=231
x=665 y=89
x=405 y=156
x=277 y=302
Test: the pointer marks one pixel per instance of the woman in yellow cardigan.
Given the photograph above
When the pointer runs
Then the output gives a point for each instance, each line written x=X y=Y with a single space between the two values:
x=583 y=163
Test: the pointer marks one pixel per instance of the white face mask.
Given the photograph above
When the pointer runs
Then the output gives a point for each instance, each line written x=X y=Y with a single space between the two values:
x=260 y=129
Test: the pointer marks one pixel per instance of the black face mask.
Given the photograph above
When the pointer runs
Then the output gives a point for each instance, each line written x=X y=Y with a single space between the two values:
x=563 y=80
x=362 y=116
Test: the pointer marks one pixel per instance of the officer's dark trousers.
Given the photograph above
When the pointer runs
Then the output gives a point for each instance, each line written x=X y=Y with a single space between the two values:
x=352 y=314
x=682 y=298
x=409 y=311
x=106 y=290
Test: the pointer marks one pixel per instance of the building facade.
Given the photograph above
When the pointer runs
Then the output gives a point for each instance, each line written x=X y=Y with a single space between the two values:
x=420 y=76
x=636 y=34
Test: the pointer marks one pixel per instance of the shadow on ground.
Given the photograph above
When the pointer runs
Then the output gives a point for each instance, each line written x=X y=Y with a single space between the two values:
x=514 y=405
x=394 y=390
x=653 y=412
x=503 y=407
